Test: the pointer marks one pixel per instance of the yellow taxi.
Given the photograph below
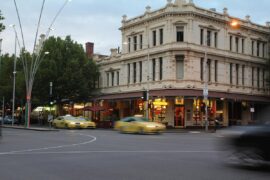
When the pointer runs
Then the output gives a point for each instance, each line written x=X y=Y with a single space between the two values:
x=71 y=122
x=139 y=125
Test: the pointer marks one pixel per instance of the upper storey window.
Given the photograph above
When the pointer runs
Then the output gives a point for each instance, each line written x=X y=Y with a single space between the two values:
x=135 y=43
x=179 y=34
x=209 y=36
x=154 y=36
x=160 y=36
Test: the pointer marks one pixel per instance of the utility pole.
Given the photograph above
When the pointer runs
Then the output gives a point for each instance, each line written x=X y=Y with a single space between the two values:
x=0 y=77
x=14 y=80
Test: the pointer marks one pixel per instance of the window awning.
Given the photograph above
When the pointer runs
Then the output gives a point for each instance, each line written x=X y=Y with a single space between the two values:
x=184 y=93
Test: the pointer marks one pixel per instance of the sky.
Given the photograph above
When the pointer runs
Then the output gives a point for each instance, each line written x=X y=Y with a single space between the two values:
x=98 y=21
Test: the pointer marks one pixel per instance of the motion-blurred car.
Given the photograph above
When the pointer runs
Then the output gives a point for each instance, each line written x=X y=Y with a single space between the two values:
x=138 y=125
x=249 y=145
x=71 y=122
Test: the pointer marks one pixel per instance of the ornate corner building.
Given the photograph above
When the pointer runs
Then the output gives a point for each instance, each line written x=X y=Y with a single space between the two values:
x=180 y=54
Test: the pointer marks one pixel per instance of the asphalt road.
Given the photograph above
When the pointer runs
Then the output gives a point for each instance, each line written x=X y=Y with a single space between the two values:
x=105 y=154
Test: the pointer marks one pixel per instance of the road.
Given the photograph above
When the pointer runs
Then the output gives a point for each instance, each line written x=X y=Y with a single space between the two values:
x=106 y=154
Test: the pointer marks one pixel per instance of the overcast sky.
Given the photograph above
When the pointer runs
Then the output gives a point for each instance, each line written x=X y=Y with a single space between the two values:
x=98 y=21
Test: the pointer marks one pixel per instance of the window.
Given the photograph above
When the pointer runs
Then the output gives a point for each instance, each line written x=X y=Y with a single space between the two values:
x=252 y=76
x=243 y=45
x=237 y=73
x=258 y=77
x=202 y=68
x=243 y=75
x=112 y=78
x=160 y=68
x=160 y=36
x=135 y=43
x=209 y=69
x=231 y=73
x=252 y=47
x=202 y=32
x=134 y=72
x=263 y=49
x=141 y=41
x=216 y=70
x=258 y=48
x=179 y=66
x=216 y=39
x=263 y=78
x=231 y=43
x=209 y=38
x=108 y=80
x=154 y=69
x=129 y=43
x=237 y=44
x=154 y=35
x=128 y=73
x=140 y=64
x=117 y=78
x=179 y=34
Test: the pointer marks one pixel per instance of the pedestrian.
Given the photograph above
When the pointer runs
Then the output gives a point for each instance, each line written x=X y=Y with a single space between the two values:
x=216 y=124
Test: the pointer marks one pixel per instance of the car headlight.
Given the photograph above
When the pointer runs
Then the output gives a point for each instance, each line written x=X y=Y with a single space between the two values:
x=72 y=123
x=150 y=126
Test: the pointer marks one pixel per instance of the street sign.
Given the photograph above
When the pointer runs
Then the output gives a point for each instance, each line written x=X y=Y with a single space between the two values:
x=205 y=92
x=50 y=118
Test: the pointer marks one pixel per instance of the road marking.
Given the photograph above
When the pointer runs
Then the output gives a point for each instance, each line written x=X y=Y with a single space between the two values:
x=53 y=147
x=116 y=151
x=194 y=132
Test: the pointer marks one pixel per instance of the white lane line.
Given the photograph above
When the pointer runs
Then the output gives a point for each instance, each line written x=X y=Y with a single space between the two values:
x=53 y=147
x=116 y=151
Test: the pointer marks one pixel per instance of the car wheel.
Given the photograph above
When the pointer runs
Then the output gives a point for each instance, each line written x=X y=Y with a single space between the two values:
x=66 y=125
x=141 y=130
x=122 y=129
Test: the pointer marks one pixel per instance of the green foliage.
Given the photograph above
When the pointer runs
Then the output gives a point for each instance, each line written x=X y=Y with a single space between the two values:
x=67 y=66
x=6 y=80
x=2 y=27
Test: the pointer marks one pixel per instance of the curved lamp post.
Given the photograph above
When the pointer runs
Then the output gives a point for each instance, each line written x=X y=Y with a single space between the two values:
x=30 y=69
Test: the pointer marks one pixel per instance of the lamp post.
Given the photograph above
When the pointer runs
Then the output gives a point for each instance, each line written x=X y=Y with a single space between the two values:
x=30 y=68
x=0 y=76
x=14 y=74
x=205 y=89
x=234 y=24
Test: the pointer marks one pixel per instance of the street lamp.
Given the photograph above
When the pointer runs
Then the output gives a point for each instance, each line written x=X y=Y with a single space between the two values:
x=30 y=68
x=14 y=73
x=0 y=76
x=234 y=24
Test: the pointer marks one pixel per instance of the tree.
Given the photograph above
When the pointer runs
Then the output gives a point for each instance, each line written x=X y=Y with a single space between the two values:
x=6 y=80
x=67 y=66
x=2 y=27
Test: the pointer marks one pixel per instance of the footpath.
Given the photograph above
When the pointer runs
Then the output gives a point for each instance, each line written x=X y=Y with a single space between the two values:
x=46 y=128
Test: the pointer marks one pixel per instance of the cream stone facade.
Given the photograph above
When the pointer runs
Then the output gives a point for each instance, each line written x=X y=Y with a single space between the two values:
x=164 y=51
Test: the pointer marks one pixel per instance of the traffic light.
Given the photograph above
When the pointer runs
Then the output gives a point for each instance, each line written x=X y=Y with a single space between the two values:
x=145 y=95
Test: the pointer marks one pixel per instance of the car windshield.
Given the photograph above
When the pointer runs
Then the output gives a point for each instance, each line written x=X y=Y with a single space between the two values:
x=70 y=118
x=141 y=119
x=82 y=119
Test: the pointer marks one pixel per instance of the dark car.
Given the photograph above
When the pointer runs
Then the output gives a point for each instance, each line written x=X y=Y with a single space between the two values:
x=249 y=145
